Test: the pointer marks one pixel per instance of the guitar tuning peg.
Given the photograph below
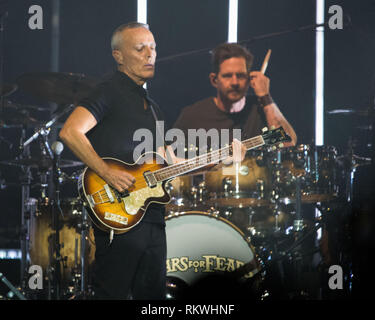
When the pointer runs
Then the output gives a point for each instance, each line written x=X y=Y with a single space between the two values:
x=281 y=145
x=265 y=129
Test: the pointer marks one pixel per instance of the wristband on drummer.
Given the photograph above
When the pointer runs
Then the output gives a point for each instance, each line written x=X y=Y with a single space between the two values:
x=265 y=100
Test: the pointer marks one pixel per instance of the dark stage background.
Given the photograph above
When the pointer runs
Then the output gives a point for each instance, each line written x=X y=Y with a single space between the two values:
x=184 y=25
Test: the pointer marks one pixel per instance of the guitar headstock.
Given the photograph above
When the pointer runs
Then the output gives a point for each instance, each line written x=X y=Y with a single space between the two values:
x=275 y=136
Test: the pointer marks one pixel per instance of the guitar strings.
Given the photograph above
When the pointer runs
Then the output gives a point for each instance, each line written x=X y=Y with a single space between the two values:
x=176 y=169
x=202 y=160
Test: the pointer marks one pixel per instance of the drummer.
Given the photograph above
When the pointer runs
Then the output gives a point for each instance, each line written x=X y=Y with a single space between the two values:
x=232 y=107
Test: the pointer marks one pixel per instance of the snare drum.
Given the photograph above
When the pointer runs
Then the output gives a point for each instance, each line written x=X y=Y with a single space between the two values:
x=315 y=165
x=199 y=244
x=42 y=237
x=240 y=185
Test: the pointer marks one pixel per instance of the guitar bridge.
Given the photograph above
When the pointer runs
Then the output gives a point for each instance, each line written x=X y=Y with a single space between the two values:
x=120 y=195
x=150 y=179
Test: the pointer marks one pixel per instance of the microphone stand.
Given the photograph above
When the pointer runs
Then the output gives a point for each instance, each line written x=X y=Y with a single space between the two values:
x=45 y=129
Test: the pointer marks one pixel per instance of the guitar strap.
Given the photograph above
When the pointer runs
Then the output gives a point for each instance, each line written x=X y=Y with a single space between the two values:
x=152 y=103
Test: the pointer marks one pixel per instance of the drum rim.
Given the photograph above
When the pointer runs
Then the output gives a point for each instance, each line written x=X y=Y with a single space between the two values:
x=210 y=215
x=310 y=147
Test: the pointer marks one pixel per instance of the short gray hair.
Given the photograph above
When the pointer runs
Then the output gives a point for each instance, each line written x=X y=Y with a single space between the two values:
x=116 y=39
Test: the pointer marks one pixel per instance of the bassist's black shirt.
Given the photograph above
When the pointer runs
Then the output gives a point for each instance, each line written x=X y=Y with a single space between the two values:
x=118 y=106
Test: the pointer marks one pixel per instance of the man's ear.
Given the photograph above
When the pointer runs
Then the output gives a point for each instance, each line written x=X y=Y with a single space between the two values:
x=117 y=55
x=213 y=79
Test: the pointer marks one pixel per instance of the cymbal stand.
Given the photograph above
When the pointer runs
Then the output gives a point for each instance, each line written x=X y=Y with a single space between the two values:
x=298 y=228
x=25 y=217
x=276 y=164
x=43 y=131
x=56 y=227
x=42 y=134
x=350 y=168
x=84 y=267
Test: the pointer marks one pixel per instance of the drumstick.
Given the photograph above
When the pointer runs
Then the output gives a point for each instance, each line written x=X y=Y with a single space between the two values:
x=265 y=62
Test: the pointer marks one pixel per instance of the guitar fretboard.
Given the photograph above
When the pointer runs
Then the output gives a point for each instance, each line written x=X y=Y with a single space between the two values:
x=203 y=160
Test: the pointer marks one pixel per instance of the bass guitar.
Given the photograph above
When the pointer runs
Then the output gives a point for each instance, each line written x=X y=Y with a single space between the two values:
x=116 y=212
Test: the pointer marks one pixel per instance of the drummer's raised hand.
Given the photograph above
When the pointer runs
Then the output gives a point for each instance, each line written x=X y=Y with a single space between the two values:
x=260 y=83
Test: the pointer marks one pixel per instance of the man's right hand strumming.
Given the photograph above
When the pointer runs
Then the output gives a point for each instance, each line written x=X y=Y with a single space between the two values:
x=118 y=179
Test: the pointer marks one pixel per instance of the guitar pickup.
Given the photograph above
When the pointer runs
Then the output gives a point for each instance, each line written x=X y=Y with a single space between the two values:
x=109 y=193
x=120 y=195
x=150 y=179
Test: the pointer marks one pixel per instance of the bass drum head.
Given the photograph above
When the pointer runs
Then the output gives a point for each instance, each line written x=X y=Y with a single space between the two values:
x=200 y=245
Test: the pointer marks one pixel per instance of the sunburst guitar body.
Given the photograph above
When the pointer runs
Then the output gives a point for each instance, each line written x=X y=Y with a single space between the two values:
x=120 y=212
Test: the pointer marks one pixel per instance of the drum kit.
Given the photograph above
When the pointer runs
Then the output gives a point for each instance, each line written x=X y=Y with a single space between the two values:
x=55 y=231
x=257 y=220
x=269 y=215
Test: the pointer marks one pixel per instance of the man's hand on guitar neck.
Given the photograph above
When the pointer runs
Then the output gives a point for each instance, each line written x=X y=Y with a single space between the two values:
x=238 y=155
x=172 y=157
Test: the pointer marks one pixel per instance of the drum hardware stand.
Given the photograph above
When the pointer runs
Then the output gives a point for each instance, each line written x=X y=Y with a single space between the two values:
x=76 y=273
x=295 y=255
x=351 y=163
x=298 y=228
x=79 y=273
x=276 y=179
x=11 y=287
x=57 y=148
x=298 y=222
x=25 y=195
x=84 y=236
x=45 y=129
x=251 y=213
x=42 y=133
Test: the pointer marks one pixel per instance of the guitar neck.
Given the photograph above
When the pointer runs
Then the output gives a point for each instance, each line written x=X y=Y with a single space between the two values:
x=203 y=160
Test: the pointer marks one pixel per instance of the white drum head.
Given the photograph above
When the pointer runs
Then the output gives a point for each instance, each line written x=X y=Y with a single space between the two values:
x=199 y=244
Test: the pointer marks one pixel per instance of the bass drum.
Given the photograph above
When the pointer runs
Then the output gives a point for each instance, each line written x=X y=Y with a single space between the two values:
x=200 y=244
x=42 y=238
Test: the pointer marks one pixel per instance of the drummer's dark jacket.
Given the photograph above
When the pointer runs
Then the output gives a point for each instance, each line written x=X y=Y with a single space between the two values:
x=118 y=106
x=204 y=114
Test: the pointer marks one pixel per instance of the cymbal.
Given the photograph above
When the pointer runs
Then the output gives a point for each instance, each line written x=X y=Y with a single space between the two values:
x=13 y=118
x=61 y=88
x=365 y=127
x=238 y=203
x=18 y=106
x=42 y=163
x=7 y=89
x=309 y=198
x=348 y=111
x=354 y=160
